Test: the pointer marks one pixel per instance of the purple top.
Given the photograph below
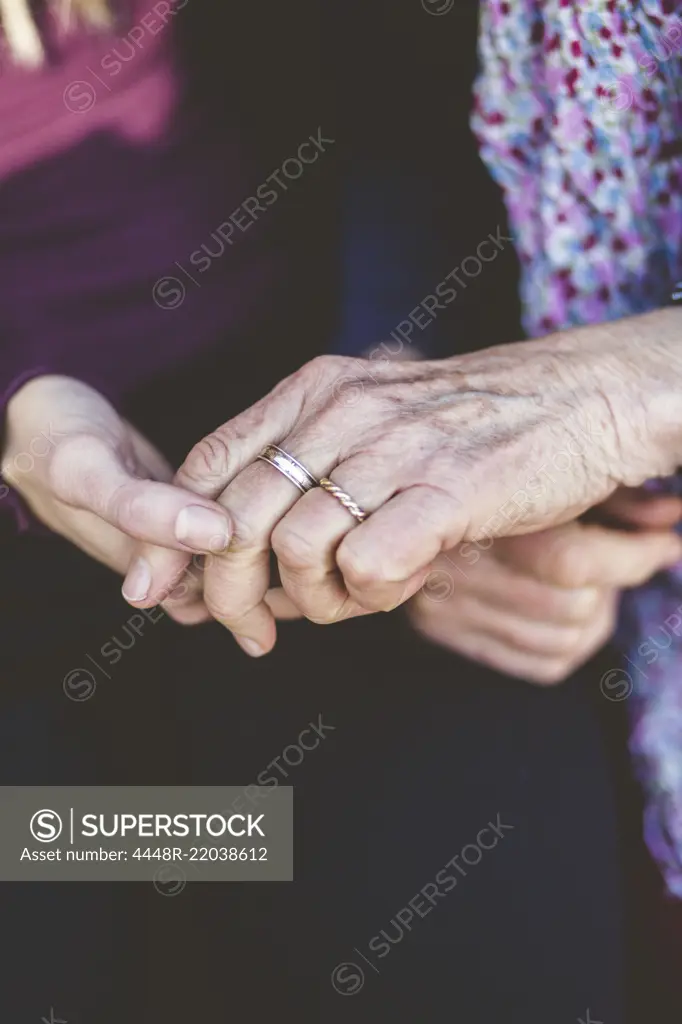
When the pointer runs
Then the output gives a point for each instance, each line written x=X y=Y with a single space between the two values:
x=112 y=192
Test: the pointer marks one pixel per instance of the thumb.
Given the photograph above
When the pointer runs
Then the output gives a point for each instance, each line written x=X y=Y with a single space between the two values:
x=578 y=555
x=89 y=472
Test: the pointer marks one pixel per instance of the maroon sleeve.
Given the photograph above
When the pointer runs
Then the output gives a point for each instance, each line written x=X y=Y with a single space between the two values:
x=11 y=502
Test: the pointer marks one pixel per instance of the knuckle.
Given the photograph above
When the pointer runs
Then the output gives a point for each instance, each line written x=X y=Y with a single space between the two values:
x=209 y=459
x=567 y=564
x=219 y=608
x=355 y=569
x=244 y=537
x=569 y=606
x=175 y=594
x=312 y=373
x=328 y=616
x=378 y=602
x=327 y=371
x=293 y=548
x=512 y=634
x=566 y=642
x=550 y=673
x=548 y=640
x=534 y=599
x=541 y=639
x=127 y=506
x=325 y=365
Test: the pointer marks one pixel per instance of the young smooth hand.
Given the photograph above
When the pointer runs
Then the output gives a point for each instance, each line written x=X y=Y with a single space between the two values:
x=93 y=478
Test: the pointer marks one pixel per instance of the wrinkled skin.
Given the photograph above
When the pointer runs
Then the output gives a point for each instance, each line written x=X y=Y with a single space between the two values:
x=511 y=440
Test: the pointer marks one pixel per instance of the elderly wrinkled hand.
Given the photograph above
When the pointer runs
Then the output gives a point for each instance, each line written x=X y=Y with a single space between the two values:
x=506 y=441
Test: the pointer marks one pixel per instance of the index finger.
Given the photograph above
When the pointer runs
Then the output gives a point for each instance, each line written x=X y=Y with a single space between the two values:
x=210 y=466
x=237 y=581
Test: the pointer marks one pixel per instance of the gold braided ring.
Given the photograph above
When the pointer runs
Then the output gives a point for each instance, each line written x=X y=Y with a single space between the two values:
x=345 y=499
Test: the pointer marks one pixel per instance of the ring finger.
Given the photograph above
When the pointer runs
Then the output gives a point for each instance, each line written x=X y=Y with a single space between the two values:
x=237 y=581
x=306 y=538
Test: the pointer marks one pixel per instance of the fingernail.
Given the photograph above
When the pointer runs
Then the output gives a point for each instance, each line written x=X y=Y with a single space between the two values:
x=250 y=646
x=202 y=529
x=138 y=581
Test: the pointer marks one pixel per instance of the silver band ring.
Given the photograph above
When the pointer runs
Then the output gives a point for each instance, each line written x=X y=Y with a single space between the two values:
x=290 y=467
x=351 y=506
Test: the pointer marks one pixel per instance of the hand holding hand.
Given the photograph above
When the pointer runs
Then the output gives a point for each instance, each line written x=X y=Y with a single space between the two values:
x=540 y=605
x=505 y=441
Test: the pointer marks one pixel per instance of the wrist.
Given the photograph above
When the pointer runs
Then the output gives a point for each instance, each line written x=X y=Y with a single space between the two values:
x=635 y=376
x=653 y=358
x=627 y=378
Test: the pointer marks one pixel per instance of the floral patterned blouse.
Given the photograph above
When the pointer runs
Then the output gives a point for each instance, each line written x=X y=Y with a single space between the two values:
x=578 y=110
